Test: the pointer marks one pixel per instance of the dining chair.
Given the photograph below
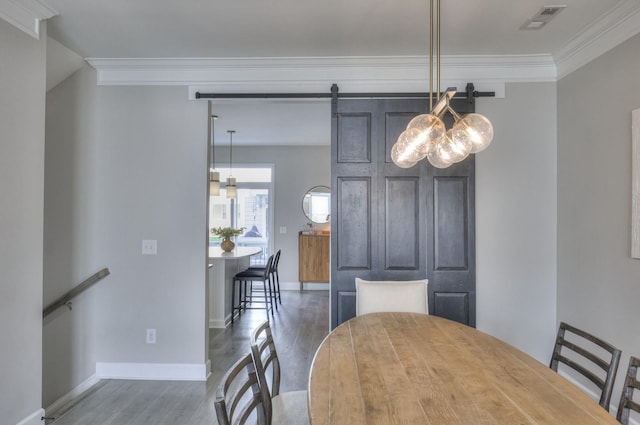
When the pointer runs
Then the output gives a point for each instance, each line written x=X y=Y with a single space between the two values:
x=238 y=396
x=240 y=281
x=281 y=408
x=626 y=398
x=391 y=296
x=578 y=354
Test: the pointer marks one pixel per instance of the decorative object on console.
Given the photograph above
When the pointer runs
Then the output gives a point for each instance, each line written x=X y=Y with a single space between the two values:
x=226 y=233
x=426 y=134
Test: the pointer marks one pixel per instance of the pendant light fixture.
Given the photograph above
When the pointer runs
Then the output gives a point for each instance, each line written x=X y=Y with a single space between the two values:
x=214 y=176
x=426 y=134
x=231 y=181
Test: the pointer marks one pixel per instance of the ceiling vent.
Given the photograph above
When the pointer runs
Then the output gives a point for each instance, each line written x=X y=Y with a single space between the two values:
x=546 y=14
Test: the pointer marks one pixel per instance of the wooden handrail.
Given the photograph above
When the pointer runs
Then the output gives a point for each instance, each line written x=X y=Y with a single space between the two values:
x=66 y=298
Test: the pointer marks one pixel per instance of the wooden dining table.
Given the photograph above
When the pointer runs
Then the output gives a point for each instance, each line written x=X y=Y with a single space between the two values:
x=409 y=368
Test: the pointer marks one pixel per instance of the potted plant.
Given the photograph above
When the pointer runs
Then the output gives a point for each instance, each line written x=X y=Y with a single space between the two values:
x=226 y=233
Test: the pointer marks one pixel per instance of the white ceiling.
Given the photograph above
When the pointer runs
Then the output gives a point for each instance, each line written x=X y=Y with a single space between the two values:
x=305 y=29
x=258 y=28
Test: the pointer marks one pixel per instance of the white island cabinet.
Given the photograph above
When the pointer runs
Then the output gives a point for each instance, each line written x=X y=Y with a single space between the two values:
x=223 y=266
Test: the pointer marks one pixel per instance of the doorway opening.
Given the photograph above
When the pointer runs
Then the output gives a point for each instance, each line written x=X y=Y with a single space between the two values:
x=251 y=210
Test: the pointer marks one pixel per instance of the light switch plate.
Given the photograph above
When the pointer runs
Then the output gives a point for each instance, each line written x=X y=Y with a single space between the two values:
x=283 y=230
x=149 y=247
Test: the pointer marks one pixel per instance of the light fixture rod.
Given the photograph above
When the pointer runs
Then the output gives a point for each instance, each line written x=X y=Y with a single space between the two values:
x=431 y=55
x=443 y=101
x=213 y=138
x=230 y=149
x=209 y=131
x=438 y=49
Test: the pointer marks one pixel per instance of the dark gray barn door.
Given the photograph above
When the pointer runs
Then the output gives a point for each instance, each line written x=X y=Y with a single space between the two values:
x=390 y=223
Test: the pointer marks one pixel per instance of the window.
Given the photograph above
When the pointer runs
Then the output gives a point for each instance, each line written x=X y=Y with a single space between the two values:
x=251 y=210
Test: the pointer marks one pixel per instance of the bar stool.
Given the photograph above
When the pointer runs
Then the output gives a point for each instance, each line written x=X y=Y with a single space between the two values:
x=241 y=279
x=275 y=276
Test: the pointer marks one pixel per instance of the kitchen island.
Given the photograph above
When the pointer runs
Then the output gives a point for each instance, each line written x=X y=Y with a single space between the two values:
x=223 y=266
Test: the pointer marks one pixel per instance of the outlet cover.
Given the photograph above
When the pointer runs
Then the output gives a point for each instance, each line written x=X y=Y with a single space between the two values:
x=149 y=247
x=151 y=336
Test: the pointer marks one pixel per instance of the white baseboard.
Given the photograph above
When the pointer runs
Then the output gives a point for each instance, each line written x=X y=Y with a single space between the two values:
x=295 y=286
x=153 y=371
x=208 y=368
x=33 y=419
x=216 y=323
x=71 y=395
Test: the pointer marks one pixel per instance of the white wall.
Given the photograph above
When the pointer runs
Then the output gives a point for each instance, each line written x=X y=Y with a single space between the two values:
x=124 y=164
x=598 y=281
x=516 y=219
x=22 y=106
x=297 y=169
x=130 y=163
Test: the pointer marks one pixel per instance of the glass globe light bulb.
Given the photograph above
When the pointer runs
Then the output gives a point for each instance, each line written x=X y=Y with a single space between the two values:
x=432 y=127
x=477 y=129
x=454 y=150
x=401 y=157
x=416 y=142
x=461 y=140
x=439 y=158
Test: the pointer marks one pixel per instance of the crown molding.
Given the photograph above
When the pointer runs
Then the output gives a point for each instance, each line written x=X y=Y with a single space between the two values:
x=614 y=27
x=307 y=74
x=26 y=15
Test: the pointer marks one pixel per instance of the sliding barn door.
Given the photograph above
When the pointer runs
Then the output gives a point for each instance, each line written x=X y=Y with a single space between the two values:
x=390 y=223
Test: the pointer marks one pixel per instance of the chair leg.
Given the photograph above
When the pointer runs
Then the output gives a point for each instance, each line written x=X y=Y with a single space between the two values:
x=266 y=300
x=278 y=287
x=273 y=296
x=247 y=295
x=233 y=299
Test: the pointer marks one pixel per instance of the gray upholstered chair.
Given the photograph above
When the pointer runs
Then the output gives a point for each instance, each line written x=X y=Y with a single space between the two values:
x=234 y=403
x=582 y=359
x=626 y=398
x=288 y=408
x=387 y=296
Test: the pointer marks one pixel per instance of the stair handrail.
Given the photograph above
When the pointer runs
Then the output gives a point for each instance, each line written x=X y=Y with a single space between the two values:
x=66 y=298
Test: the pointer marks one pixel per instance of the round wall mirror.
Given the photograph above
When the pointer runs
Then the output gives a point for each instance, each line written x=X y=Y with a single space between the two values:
x=316 y=204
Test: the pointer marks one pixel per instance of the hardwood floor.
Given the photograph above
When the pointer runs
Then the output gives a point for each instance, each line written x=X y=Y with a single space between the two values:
x=299 y=326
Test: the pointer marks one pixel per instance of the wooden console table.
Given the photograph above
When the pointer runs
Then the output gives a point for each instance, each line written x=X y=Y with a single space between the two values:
x=313 y=258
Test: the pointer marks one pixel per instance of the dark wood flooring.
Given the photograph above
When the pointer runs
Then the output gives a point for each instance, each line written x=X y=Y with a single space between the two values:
x=299 y=326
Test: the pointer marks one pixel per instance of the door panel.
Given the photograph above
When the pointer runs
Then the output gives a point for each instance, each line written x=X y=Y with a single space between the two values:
x=452 y=305
x=355 y=130
x=395 y=123
x=451 y=239
x=391 y=223
x=354 y=223
x=402 y=226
